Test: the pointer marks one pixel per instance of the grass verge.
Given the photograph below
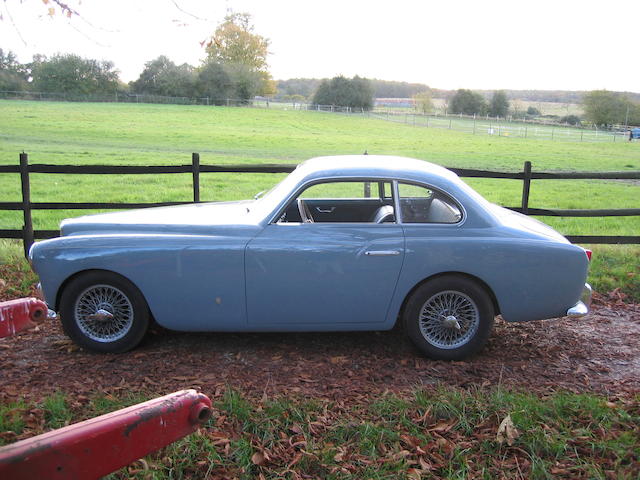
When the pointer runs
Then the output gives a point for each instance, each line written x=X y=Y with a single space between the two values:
x=446 y=433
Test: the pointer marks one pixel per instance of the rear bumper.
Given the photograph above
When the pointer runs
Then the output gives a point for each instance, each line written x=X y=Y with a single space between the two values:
x=581 y=308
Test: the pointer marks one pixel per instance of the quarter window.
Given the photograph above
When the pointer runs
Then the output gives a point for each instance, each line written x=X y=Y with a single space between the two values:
x=420 y=204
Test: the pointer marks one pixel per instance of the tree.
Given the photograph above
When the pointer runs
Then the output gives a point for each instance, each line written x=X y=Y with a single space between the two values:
x=73 y=74
x=163 y=77
x=423 y=101
x=499 y=106
x=602 y=107
x=13 y=75
x=243 y=54
x=342 y=92
x=533 y=111
x=468 y=103
x=213 y=82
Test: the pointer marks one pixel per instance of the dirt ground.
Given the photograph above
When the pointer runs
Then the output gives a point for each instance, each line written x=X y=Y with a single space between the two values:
x=599 y=353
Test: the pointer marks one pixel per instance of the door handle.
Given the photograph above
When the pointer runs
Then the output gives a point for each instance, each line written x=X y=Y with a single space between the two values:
x=325 y=210
x=381 y=253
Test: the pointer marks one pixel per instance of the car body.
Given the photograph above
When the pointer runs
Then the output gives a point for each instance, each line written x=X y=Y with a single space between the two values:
x=342 y=243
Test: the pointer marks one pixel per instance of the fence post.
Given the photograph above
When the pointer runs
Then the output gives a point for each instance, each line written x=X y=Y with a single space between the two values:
x=195 y=170
x=526 y=187
x=27 y=229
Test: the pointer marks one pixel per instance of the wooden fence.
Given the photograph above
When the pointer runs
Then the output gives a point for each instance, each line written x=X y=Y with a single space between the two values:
x=28 y=234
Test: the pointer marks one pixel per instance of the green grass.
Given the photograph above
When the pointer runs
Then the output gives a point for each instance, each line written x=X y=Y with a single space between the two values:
x=130 y=134
x=446 y=433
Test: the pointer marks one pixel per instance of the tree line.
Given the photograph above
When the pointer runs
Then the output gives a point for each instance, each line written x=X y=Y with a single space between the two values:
x=235 y=67
x=601 y=107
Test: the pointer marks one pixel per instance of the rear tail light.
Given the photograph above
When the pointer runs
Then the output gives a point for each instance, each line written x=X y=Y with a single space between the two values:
x=588 y=254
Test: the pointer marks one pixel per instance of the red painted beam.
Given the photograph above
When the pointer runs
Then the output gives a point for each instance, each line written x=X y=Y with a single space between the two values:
x=18 y=315
x=101 y=445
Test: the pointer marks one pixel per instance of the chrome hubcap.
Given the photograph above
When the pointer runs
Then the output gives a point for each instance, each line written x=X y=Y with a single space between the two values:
x=101 y=316
x=451 y=322
x=449 y=319
x=103 y=313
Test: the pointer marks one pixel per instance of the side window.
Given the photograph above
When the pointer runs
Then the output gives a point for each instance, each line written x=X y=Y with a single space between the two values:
x=420 y=204
x=342 y=202
x=335 y=191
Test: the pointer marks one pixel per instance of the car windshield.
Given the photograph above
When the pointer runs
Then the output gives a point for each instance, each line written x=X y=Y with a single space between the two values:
x=269 y=201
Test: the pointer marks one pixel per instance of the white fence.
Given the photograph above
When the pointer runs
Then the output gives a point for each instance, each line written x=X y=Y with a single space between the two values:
x=484 y=125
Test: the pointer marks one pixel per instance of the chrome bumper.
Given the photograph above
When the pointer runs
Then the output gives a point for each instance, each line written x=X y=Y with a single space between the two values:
x=581 y=308
x=50 y=313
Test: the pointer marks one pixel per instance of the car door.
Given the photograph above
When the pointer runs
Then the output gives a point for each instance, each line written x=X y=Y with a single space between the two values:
x=323 y=275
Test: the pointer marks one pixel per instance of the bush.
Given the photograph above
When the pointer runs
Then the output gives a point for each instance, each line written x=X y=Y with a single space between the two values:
x=571 y=120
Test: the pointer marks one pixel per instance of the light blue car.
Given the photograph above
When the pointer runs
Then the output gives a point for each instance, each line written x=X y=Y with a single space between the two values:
x=342 y=243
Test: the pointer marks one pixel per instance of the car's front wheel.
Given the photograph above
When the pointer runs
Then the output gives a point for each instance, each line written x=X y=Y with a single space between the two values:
x=104 y=312
x=449 y=318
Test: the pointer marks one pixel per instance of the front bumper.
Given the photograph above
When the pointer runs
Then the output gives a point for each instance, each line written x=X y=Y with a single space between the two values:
x=50 y=313
x=581 y=308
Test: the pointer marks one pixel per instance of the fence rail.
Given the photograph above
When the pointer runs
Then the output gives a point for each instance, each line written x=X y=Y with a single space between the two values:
x=28 y=234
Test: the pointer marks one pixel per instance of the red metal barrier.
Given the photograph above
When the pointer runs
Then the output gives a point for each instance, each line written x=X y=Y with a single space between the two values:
x=101 y=445
x=18 y=315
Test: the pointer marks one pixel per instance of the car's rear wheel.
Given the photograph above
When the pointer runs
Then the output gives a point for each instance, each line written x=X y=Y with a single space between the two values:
x=104 y=312
x=449 y=318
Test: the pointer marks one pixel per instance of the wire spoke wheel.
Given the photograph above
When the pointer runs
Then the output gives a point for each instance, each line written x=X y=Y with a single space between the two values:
x=449 y=319
x=103 y=313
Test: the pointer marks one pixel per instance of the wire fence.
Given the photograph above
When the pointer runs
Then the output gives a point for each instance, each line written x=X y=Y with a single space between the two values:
x=483 y=125
x=540 y=129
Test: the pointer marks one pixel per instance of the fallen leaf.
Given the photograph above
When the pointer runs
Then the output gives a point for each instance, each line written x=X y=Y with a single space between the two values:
x=259 y=458
x=295 y=460
x=507 y=431
x=414 y=474
x=296 y=429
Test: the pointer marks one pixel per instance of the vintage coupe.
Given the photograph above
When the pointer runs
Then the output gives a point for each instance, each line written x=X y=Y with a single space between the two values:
x=342 y=243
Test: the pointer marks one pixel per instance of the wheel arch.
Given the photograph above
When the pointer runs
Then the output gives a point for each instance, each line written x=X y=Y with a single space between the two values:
x=479 y=281
x=80 y=273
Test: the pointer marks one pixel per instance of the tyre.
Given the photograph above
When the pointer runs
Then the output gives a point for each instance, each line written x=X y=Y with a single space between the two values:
x=104 y=312
x=449 y=318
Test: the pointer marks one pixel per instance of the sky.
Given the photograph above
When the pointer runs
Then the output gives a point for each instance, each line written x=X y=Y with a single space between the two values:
x=492 y=44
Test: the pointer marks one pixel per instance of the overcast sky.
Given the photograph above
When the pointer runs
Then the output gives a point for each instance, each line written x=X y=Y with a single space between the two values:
x=492 y=44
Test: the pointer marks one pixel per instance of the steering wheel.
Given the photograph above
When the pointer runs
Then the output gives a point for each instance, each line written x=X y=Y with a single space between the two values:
x=305 y=213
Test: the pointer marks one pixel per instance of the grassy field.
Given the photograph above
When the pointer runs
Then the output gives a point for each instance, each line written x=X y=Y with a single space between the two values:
x=127 y=134
x=424 y=434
